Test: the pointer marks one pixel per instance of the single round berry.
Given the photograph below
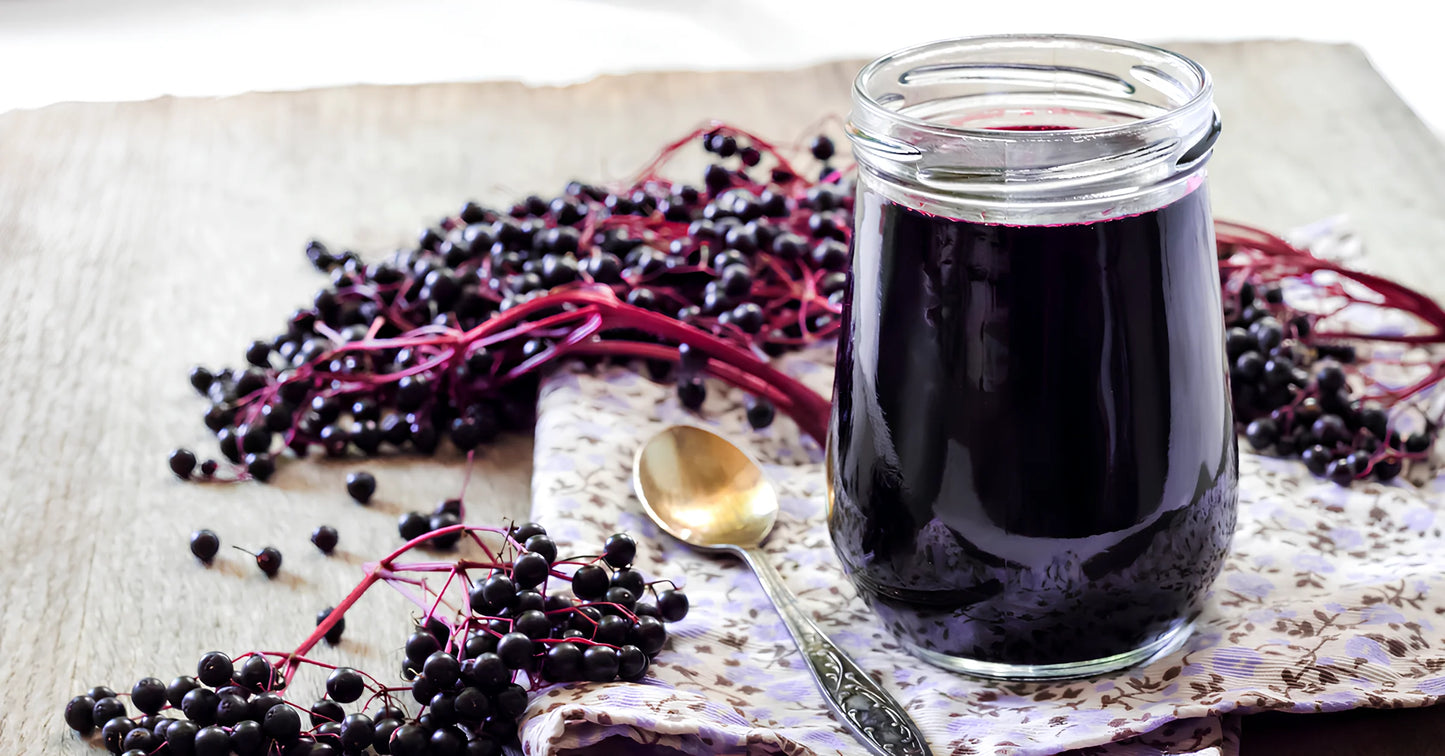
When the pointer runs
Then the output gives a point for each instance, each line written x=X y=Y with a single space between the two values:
x=423 y=690
x=183 y=463
x=600 y=663
x=255 y=673
x=1262 y=433
x=760 y=412
x=260 y=466
x=620 y=597
x=1330 y=378
x=447 y=741
x=212 y=741
x=472 y=705
x=631 y=663
x=529 y=570
x=563 y=663
x=649 y=635
x=248 y=738
x=543 y=545
x=78 y=714
x=1330 y=430
x=612 y=630
x=420 y=645
x=181 y=737
x=630 y=579
x=148 y=695
x=325 y=537
x=443 y=708
x=1317 y=458
x=821 y=147
x=381 y=734
x=412 y=526
x=511 y=700
x=619 y=550
x=361 y=485
x=589 y=582
x=269 y=560
x=205 y=544
x=231 y=709
x=487 y=670
x=1387 y=468
x=514 y=649
x=499 y=591
x=442 y=668
x=214 y=669
x=672 y=604
x=344 y=685
x=326 y=710
x=410 y=740
x=282 y=722
x=445 y=540
x=199 y=706
x=1341 y=472
x=333 y=634
x=692 y=392
x=99 y=692
x=357 y=731
x=527 y=530
x=533 y=624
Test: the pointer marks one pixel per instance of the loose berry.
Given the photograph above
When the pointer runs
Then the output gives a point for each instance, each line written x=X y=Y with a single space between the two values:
x=361 y=485
x=324 y=537
x=205 y=544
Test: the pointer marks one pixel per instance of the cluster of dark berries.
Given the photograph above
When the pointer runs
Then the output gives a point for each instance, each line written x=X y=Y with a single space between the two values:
x=519 y=624
x=393 y=355
x=228 y=707
x=1293 y=396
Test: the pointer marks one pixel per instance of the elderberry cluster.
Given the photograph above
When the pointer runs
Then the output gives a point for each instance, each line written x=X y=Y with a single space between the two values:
x=1293 y=396
x=229 y=706
x=463 y=674
x=381 y=360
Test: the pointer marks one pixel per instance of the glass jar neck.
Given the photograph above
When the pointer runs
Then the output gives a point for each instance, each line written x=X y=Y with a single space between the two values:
x=1033 y=129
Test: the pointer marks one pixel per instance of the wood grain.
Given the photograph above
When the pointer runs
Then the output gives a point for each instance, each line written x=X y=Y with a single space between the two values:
x=139 y=239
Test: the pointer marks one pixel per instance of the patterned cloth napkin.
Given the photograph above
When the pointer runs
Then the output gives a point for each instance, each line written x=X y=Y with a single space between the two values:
x=1331 y=599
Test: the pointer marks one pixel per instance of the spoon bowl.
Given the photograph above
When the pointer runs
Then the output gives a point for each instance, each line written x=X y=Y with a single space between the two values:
x=708 y=493
x=703 y=490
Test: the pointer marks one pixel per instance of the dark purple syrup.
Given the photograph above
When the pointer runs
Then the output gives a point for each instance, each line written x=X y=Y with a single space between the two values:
x=1033 y=459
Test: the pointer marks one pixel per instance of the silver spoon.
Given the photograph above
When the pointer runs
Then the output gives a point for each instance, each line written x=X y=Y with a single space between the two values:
x=707 y=493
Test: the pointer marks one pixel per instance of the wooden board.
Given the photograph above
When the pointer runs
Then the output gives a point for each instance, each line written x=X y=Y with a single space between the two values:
x=139 y=239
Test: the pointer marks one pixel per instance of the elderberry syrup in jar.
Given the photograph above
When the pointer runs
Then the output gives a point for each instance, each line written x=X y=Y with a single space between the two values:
x=1031 y=457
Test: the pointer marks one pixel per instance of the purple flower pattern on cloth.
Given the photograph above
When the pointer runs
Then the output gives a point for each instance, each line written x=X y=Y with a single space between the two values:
x=1331 y=599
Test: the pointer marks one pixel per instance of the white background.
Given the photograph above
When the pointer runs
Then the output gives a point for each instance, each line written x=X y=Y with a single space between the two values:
x=58 y=50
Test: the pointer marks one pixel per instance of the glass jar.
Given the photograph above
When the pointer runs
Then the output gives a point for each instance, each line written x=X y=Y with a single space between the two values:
x=1032 y=460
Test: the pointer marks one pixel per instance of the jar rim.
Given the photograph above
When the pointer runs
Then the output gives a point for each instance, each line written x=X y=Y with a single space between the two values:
x=1202 y=96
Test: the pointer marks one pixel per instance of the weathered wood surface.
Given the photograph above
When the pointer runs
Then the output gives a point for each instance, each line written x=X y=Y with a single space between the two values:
x=139 y=239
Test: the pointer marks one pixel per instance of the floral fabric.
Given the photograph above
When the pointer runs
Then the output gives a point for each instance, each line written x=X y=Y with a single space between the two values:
x=1331 y=599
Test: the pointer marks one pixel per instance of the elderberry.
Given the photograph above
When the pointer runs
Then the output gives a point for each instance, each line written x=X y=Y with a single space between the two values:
x=183 y=463
x=361 y=485
x=325 y=537
x=204 y=545
x=333 y=634
x=268 y=560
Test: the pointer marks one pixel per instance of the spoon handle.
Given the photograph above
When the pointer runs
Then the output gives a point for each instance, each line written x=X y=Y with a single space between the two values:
x=870 y=712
